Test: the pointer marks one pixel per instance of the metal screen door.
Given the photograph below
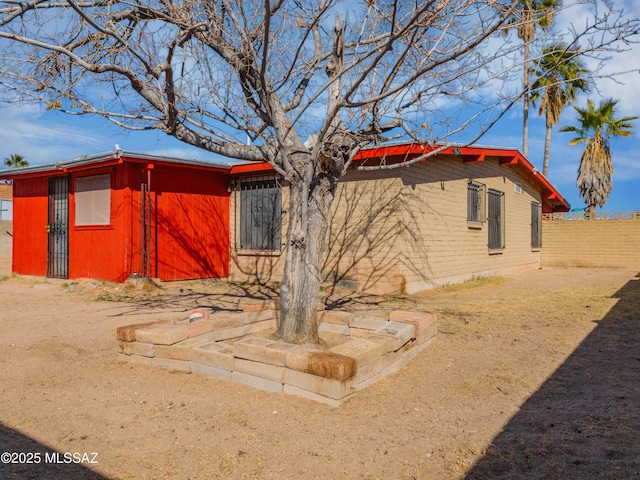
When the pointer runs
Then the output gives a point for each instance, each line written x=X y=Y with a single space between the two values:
x=58 y=228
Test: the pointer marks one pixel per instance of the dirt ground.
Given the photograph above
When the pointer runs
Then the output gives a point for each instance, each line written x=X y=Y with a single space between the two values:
x=535 y=375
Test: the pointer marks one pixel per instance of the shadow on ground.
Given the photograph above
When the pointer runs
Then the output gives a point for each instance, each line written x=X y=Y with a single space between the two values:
x=235 y=296
x=584 y=422
x=24 y=458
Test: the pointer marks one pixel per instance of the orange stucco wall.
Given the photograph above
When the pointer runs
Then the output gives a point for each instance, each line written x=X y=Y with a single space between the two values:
x=190 y=225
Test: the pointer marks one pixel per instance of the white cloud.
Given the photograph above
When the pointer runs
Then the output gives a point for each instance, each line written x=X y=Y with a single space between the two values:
x=25 y=130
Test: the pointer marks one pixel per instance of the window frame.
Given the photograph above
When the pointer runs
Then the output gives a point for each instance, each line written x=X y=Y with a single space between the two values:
x=98 y=196
x=476 y=193
x=265 y=235
x=536 y=226
x=496 y=241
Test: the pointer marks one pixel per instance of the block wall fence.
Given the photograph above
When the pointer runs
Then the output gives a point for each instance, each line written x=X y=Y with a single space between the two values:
x=605 y=242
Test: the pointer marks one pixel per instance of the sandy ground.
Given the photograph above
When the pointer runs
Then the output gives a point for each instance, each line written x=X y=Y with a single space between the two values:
x=531 y=376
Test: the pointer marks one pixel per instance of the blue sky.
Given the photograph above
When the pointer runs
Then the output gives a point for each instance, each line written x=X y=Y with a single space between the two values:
x=44 y=137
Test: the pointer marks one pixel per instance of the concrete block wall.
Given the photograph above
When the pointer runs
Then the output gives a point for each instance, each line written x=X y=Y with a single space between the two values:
x=591 y=243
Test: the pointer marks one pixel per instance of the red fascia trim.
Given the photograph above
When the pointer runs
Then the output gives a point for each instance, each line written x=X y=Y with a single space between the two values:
x=549 y=194
x=473 y=158
x=506 y=157
x=413 y=149
x=251 y=168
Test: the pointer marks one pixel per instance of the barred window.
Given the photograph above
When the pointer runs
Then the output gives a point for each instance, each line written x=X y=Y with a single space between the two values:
x=260 y=215
x=536 y=225
x=475 y=202
x=495 y=219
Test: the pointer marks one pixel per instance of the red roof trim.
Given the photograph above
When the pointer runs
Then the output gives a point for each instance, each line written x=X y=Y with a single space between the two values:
x=251 y=168
x=552 y=200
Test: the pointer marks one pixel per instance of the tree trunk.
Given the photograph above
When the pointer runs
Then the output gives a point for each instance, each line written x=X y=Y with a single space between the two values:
x=309 y=206
x=525 y=110
x=547 y=148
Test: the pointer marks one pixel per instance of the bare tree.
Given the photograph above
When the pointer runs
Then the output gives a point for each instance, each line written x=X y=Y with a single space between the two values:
x=216 y=73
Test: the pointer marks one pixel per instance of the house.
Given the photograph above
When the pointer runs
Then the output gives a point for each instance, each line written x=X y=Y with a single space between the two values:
x=6 y=201
x=114 y=215
x=466 y=211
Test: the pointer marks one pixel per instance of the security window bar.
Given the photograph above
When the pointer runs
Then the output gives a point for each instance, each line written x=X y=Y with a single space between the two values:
x=475 y=202
x=495 y=220
x=260 y=215
x=536 y=225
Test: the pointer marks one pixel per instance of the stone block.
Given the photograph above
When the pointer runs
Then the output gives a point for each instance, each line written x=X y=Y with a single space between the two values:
x=255 y=307
x=218 y=355
x=205 y=338
x=378 y=369
x=180 y=351
x=363 y=350
x=367 y=322
x=426 y=335
x=333 y=328
x=257 y=382
x=134 y=359
x=327 y=387
x=137 y=348
x=400 y=333
x=422 y=320
x=199 y=327
x=300 y=392
x=259 y=326
x=209 y=371
x=323 y=364
x=359 y=332
x=163 y=334
x=259 y=369
x=227 y=326
x=389 y=343
x=262 y=350
x=127 y=333
x=258 y=316
x=179 y=365
x=334 y=316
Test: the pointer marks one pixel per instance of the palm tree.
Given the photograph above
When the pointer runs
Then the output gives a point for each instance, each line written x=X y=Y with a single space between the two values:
x=530 y=15
x=595 y=126
x=16 y=160
x=559 y=78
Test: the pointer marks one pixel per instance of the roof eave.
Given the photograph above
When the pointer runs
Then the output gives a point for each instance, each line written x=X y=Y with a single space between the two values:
x=111 y=158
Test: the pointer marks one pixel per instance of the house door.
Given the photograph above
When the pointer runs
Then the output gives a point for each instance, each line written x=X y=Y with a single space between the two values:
x=58 y=228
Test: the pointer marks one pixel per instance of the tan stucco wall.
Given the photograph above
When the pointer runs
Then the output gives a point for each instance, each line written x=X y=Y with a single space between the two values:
x=406 y=229
x=591 y=243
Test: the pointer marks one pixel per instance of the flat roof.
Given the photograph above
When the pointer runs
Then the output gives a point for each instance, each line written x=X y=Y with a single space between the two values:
x=115 y=157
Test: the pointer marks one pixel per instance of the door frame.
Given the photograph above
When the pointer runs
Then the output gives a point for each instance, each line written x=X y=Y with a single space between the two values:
x=58 y=228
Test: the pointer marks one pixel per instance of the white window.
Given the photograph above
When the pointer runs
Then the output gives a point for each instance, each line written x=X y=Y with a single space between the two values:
x=93 y=200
